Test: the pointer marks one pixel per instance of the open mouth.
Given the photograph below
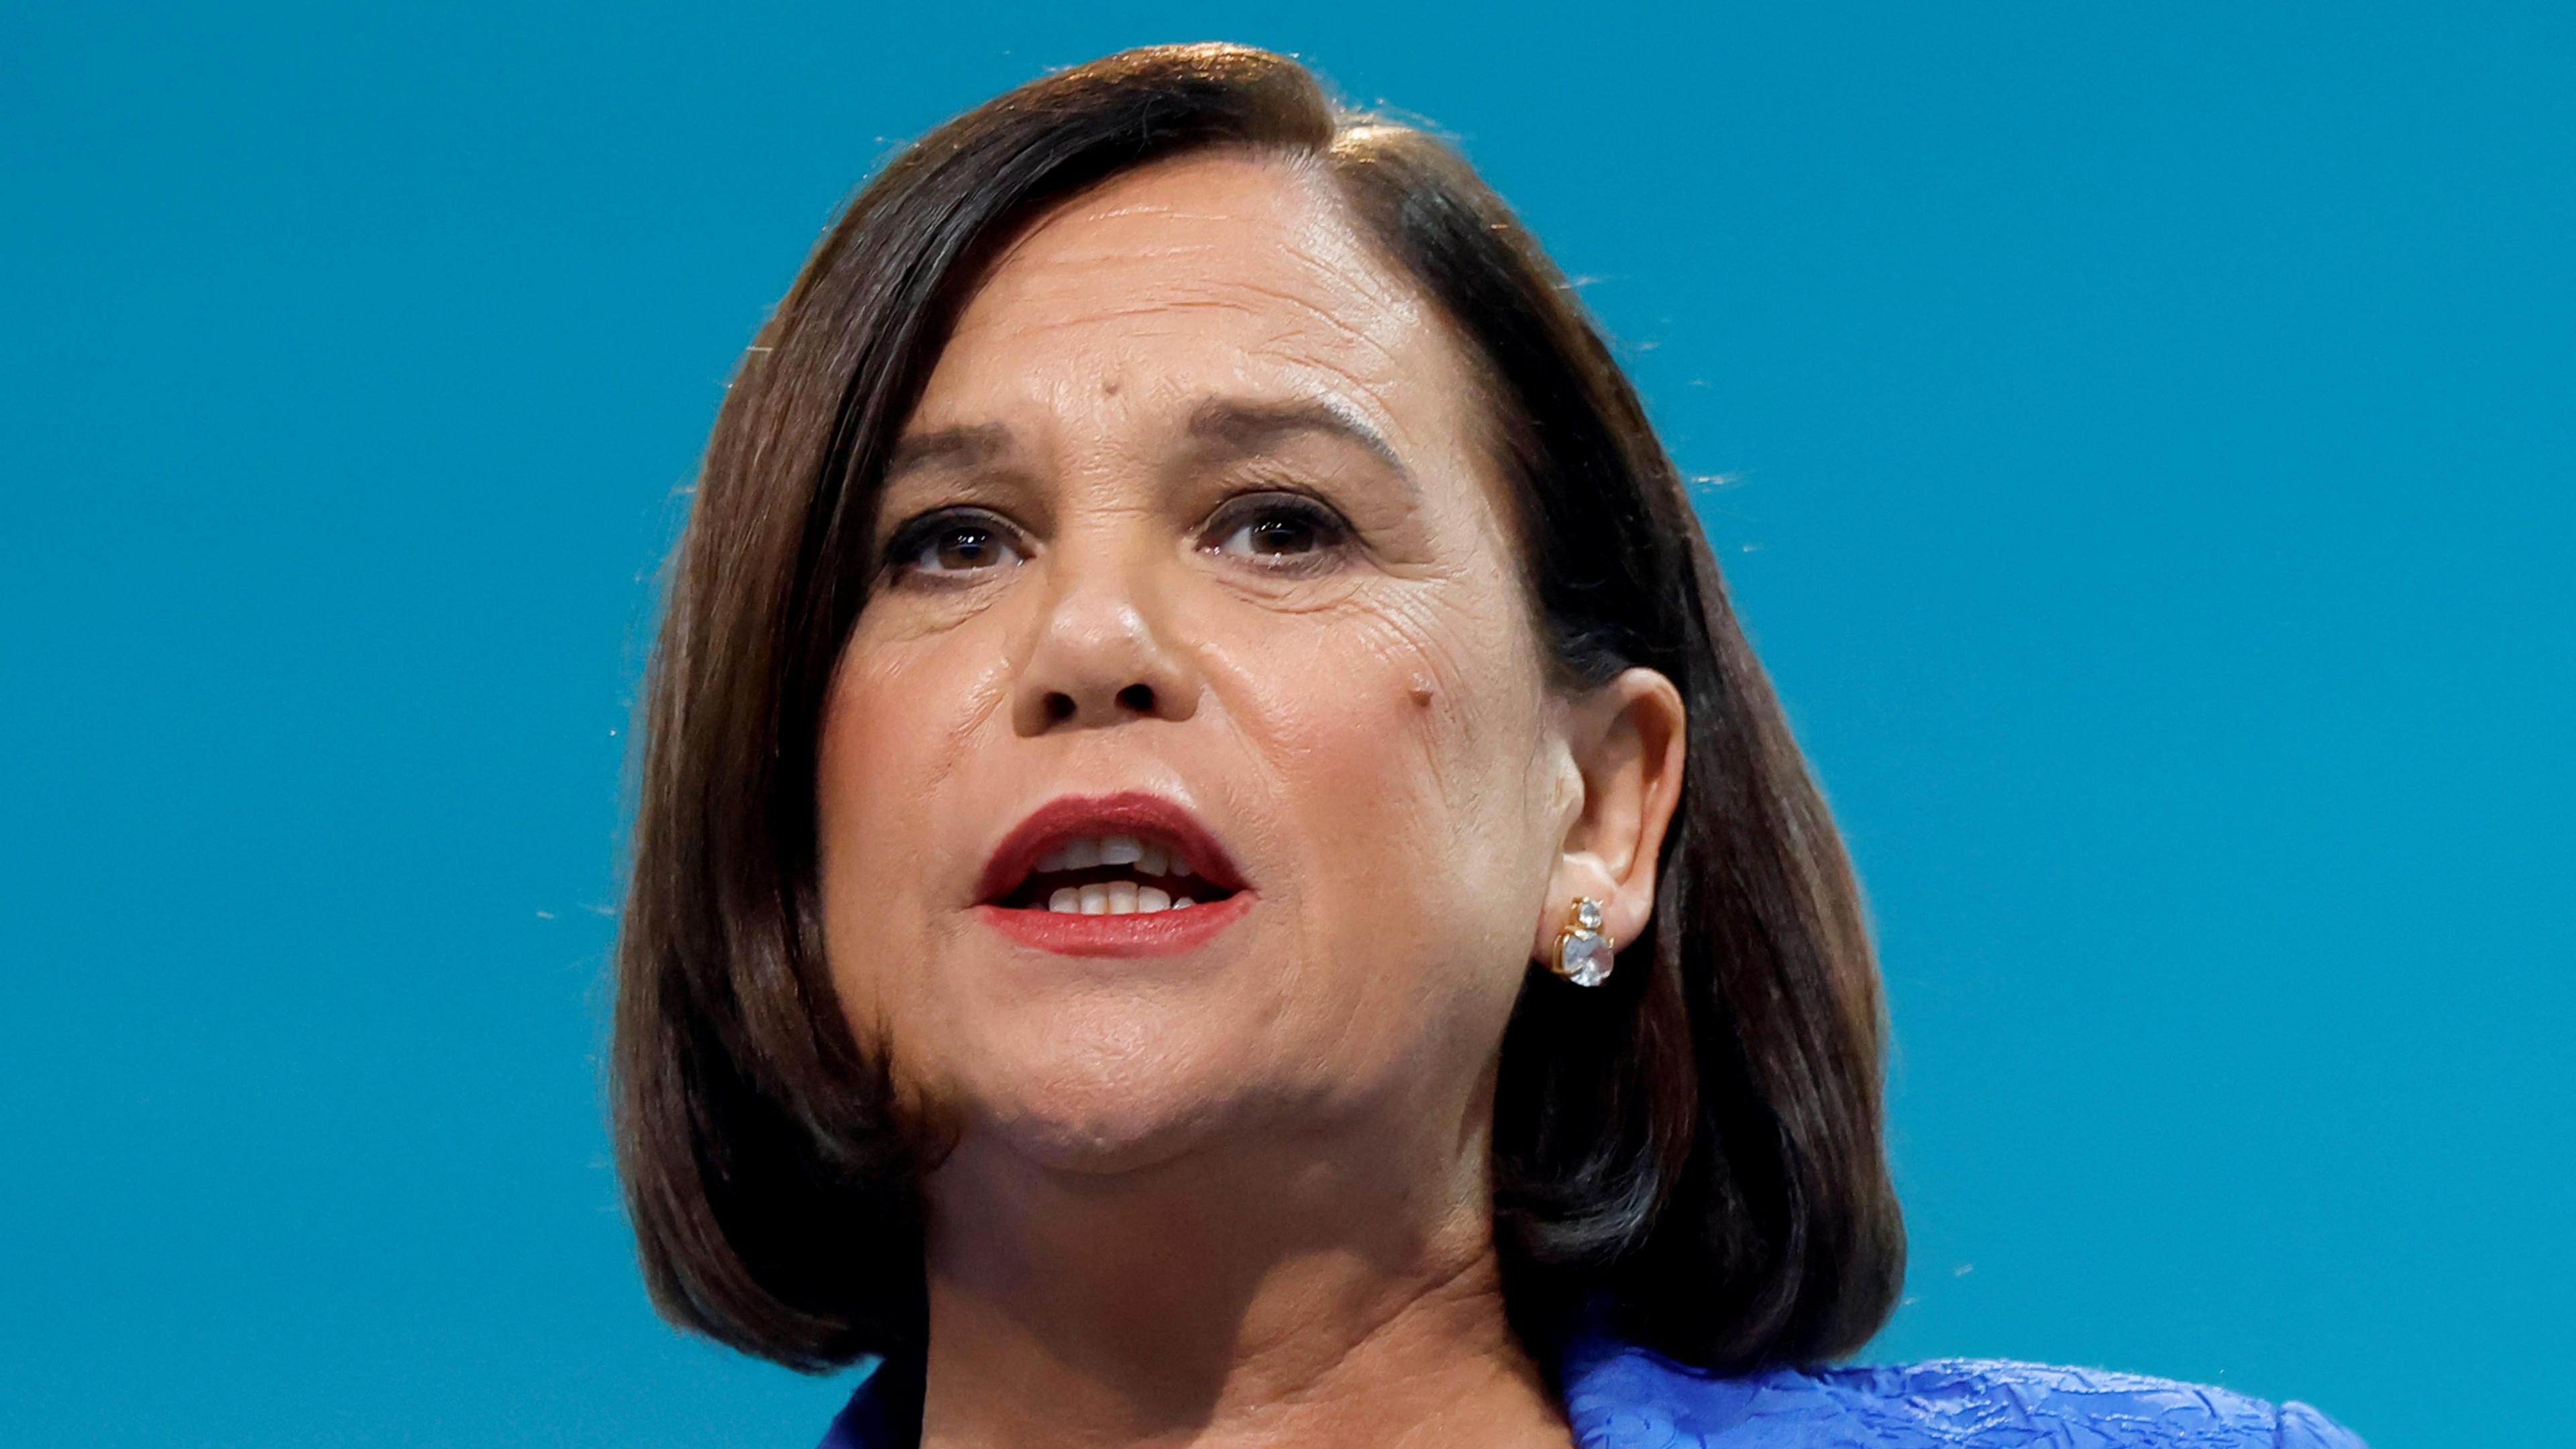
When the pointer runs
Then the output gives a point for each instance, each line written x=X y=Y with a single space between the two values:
x=1129 y=873
x=1126 y=875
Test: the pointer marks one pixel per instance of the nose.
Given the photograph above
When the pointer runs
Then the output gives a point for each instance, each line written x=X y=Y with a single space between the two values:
x=1100 y=650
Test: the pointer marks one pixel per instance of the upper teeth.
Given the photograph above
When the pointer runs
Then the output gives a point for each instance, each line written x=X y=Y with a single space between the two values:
x=1114 y=897
x=1147 y=857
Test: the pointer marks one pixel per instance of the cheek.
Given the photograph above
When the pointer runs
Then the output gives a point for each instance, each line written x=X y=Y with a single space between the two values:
x=899 y=717
x=1404 y=734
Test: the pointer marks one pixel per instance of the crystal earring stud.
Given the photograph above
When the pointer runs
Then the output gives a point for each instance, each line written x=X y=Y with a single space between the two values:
x=1583 y=954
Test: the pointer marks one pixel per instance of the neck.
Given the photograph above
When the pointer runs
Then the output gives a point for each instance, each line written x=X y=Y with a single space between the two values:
x=1282 y=1294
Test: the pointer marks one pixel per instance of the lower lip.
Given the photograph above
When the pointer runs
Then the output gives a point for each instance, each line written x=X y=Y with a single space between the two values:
x=1148 y=933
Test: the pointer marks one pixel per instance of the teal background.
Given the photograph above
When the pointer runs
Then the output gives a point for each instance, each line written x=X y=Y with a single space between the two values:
x=2148 y=434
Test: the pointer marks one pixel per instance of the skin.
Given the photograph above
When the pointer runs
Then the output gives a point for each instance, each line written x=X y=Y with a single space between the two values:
x=1235 y=1196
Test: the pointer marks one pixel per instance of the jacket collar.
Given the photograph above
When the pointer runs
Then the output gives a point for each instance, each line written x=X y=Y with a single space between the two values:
x=1616 y=1395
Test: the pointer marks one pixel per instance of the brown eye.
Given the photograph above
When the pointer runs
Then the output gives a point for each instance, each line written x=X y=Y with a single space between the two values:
x=952 y=545
x=1282 y=534
x=1279 y=527
x=966 y=547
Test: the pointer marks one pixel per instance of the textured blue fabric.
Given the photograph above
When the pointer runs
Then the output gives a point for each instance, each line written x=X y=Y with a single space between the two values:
x=1623 y=1397
x=1619 y=1396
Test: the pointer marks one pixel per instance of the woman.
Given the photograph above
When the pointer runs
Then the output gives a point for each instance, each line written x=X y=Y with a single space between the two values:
x=1213 y=865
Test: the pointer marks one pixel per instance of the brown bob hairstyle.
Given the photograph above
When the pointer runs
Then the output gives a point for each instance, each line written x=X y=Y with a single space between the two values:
x=1694 y=1151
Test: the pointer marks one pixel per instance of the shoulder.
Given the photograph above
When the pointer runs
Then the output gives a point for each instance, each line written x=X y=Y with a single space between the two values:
x=1623 y=1397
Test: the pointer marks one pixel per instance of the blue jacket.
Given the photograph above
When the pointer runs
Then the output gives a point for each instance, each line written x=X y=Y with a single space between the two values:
x=1619 y=1396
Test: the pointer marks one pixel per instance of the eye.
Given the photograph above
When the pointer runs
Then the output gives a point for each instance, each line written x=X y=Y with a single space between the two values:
x=952 y=544
x=1277 y=530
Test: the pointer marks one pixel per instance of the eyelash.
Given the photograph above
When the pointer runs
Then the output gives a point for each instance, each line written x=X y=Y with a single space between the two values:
x=1332 y=533
x=906 y=546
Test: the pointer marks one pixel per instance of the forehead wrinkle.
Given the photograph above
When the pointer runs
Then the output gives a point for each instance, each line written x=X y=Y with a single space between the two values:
x=1280 y=252
x=1096 y=315
x=1153 y=295
x=1336 y=263
x=1369 y=334
x=1358 y=361
x=1287 y=340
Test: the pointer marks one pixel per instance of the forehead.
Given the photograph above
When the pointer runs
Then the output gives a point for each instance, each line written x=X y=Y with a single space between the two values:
x=1216 y=273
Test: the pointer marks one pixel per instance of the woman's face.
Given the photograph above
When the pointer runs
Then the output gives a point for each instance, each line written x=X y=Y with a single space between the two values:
x=1195 y=511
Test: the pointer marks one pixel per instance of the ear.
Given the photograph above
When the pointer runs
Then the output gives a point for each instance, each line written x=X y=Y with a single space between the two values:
x=1627 y=741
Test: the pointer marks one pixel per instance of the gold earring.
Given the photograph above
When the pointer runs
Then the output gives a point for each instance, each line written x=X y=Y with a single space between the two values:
x=1583 y=953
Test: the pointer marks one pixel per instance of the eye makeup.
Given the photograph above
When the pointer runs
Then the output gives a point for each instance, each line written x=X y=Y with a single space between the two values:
x=973 y=535
x=1283 y=531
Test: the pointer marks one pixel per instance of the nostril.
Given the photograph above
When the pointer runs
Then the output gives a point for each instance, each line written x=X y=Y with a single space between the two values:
x=1059 y=707
x=1138 y=697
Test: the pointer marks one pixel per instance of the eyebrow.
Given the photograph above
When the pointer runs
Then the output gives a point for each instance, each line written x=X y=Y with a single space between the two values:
x=1241 y=427
x=1248 y=429
x=959 y=447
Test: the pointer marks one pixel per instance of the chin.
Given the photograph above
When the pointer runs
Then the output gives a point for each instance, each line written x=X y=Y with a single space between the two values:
x=1114 y=1140
x=1122 y=1105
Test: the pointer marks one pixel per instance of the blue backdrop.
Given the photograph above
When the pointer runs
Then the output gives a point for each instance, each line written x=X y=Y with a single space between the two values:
x=2146 y=440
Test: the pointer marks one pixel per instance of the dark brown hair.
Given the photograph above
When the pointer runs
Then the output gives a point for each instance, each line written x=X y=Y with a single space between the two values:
x=1694 y=1150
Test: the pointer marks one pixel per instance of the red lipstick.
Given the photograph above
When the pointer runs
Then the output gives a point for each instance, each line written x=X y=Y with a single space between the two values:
x=1147 y=933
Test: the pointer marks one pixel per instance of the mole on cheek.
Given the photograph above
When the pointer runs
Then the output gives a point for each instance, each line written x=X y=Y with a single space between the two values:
x=1421 y=692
